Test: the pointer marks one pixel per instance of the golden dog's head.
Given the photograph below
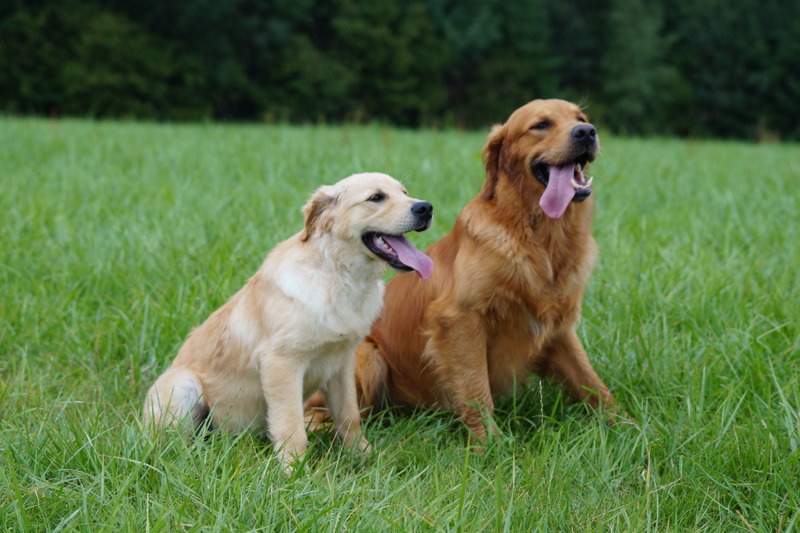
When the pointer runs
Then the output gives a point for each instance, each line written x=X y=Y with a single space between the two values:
x=545 y=148
x=373 y=210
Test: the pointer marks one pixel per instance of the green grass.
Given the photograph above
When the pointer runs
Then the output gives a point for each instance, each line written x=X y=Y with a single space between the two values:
x=117 y=239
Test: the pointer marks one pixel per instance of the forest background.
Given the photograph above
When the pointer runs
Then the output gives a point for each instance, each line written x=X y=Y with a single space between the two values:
x=641 y=67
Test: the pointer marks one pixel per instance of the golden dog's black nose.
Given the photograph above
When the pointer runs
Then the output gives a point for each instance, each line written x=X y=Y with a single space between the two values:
x=585 y=134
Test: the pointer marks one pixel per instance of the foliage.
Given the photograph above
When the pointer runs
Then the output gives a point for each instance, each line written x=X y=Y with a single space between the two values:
x=638 y=81
x=669 y=68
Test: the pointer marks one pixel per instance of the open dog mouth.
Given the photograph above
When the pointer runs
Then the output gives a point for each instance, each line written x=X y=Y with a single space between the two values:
x=398 y=253
x=563 y=184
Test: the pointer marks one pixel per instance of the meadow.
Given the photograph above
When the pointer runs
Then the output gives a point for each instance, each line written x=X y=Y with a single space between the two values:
x=116 y=239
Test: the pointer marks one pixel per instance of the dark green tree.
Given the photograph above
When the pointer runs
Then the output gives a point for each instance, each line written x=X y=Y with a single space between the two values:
x=117 y=69
x=639 y=88
x=699 y=67
x=783 y=98
x=519 y=68
x=726 y=52
x=577 y=43
x=501 y=57
x=396 y=59
x=34 y=45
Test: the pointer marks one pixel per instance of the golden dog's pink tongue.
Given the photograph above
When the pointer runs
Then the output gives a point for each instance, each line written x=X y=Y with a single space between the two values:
x=559 y=191
x=410 y=256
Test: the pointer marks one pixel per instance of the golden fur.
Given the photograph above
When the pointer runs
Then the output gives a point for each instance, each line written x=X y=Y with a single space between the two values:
x=293 y=328
x=505 y=295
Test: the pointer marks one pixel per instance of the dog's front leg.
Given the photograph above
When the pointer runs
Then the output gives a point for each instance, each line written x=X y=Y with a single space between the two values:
x=457 y=351
x=568 y=364
x=282 y=383
x=340 y=392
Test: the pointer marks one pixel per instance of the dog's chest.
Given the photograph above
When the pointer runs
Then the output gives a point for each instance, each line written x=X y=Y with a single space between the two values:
x=529 y=302
x=349 y=314
x=328 y=308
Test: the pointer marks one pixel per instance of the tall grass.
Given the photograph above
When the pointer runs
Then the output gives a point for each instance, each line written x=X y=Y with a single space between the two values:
x=116 y=239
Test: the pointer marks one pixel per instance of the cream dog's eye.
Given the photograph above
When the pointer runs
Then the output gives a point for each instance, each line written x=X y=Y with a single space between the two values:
x=377 y=197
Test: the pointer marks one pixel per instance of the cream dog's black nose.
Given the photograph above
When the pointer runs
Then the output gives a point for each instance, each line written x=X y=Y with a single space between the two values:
x=422 y=209
x=424 y=213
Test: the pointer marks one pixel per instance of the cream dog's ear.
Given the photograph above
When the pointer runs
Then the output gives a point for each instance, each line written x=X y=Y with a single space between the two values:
x=318 y=213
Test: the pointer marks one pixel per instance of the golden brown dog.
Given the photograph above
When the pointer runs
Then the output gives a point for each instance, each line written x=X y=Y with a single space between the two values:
x=505 y=296
x=293 y=328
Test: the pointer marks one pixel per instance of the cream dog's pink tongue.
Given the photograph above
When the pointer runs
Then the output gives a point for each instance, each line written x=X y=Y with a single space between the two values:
x=410 y=256
x=559 y=191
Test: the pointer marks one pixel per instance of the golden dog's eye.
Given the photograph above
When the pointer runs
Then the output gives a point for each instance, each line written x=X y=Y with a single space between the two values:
x=377 y=197
x=581 y=119
x=543 y=125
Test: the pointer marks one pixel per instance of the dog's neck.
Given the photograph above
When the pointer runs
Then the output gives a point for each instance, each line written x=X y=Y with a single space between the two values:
x=515 y=204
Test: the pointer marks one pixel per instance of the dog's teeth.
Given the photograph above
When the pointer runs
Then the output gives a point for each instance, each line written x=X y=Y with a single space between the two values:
x=383 y=244
x=581 y=184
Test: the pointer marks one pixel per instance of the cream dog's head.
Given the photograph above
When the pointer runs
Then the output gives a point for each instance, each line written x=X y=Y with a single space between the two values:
x=374 y=211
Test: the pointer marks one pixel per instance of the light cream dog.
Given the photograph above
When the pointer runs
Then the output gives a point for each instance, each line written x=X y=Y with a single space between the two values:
x=293 y=328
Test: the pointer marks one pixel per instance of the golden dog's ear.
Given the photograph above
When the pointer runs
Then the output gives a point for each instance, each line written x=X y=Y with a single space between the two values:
x=317 y=213
x=491 y=160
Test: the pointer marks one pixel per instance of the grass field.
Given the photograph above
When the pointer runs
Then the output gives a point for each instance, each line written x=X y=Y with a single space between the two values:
x=117 y=239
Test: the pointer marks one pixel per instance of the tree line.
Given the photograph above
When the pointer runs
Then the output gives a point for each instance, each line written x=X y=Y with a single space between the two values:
x=641 y=67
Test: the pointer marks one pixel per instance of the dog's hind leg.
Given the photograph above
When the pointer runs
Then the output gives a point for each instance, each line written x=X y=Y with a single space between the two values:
x=176 y=400
x=316 y=411
x=372 y=372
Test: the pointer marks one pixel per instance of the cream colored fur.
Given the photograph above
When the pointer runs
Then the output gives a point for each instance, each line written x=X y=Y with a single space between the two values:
x=293 y=328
